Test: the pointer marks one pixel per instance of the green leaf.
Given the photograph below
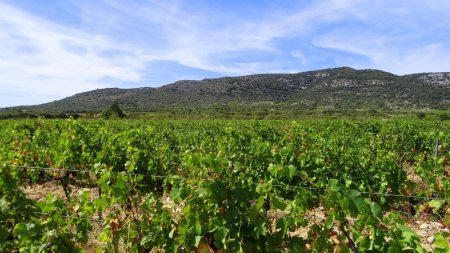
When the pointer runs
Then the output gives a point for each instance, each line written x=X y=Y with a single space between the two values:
x=146 y=240
x=356 y=203
x=198 y=226
x=179 y=193
x=334 y=185
x=329 y=221
x=25 y=231
x=240 y=195
x=3 y=234
x=441 y=243
x=215 y=164
x=104 y=236
x=279 y=203
x=219 y=191
x=408 y=234
x=220 y=234
x=364 y=243
x=260 y=202
x=260 y=228
x=292 y=171
x=275 y=170
x=436 y=204
x=171 y=233
x=375 y=209
x=281 y=224
x=4 y=205
x=197 y=240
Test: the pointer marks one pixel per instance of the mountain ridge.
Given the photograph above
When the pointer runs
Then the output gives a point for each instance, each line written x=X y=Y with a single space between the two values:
x=342 y=87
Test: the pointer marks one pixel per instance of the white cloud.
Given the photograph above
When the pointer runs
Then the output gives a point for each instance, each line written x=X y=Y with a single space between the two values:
x=387 y=53
x=117 y=40
x=208 y=41
x=427 y=58
x=299 y=55
x=56 y=60
x=402 y=37
x=38 y=57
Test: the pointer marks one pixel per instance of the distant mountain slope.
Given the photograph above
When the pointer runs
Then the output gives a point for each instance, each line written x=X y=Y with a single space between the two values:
x=340 y=87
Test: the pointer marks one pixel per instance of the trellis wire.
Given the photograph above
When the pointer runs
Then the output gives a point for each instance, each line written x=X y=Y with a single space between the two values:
x=274 y=185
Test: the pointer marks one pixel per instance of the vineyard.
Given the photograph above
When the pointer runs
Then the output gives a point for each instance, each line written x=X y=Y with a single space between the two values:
x=224 y=186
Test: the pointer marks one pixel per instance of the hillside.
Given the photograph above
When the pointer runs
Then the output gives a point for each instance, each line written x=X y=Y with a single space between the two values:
x=331 y=88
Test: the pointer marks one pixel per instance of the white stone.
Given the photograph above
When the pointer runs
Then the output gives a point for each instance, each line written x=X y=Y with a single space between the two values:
x=438 y=224
x=430 y=239
x=423 y=226
x=423 y=233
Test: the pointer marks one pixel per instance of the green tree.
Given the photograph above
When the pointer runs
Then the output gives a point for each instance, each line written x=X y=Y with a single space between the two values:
x=113 y=111
x=421 y=115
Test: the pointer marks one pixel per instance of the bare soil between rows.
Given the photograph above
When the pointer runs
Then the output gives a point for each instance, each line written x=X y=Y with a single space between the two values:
x=422 y=225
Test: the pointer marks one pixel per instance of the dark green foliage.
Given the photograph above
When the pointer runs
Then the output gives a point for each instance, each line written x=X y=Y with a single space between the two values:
x=444 y=116
x=113 y=111
x=421 y=115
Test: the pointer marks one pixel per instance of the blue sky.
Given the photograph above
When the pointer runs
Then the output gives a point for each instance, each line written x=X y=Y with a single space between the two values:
x=53 y=49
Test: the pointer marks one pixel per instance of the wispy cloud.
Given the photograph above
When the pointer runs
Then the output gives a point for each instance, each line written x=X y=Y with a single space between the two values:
x=55 y=50
x=42 y=59
x=395 y=37
x=212 y=39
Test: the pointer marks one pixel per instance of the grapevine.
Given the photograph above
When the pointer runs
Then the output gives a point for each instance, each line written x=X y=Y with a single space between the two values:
x=224 y=186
